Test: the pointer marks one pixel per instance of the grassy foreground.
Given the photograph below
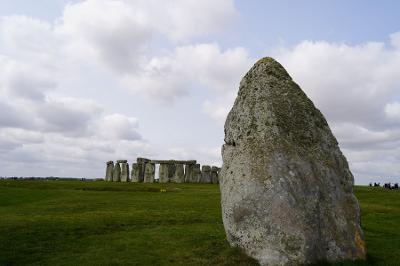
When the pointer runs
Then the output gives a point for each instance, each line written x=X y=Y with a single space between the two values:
x=99 y=223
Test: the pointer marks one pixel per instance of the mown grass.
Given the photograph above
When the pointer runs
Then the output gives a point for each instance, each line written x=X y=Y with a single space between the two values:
x=99 y=223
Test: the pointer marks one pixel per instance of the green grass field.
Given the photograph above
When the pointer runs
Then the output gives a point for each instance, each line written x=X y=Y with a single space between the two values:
x=99 y=223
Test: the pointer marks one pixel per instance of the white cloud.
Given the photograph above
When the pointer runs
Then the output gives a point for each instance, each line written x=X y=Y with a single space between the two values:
x=203 y=65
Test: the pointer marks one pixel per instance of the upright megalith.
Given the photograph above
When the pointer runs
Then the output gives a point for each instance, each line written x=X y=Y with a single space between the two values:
x=135 y=173
x=188 y=173
x=179 y=175
x=205 y=174
x=214 y=174
x=196 y=173
x=109 y=171
x=124 y=172
x=116 y=173
x=142 y=165
x=163 y=173
x=286 y=188
x=149 y=173
x=171 y=170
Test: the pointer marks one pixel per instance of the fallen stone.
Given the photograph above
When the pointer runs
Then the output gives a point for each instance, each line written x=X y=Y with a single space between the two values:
x=286 y=188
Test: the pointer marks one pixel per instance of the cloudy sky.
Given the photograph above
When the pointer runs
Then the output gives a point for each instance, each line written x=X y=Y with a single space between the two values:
x=84 y=82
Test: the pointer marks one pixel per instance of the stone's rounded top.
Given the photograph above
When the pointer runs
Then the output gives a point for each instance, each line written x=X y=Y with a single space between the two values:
x=268 y=66
x=206 y=168
x=110 y=162
x=122 y=161
x=266 y=60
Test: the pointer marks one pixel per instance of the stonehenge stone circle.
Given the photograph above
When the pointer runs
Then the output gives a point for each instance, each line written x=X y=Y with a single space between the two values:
x=116 y=173
x=109 y=171
x=179 y=175
x=286 y=188
x=149 y=173
x=176 y=171
x=124 y=172
x=163 y=173
x=205 y=174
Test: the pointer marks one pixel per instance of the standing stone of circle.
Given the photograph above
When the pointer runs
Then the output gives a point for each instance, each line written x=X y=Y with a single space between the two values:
x=196 y=173
x=117 y=173
x=188 y=173
x=135 y=177
x=124 y=172
x=214 y=175
x=109 y=171
x=163 y=173
x=149 y=173
x=142 y=165
x=205 y=174
x=171 y=170
x=286 y=188
x=179 y=175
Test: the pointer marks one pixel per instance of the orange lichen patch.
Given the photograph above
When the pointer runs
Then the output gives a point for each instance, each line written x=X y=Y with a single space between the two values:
x=360 y=244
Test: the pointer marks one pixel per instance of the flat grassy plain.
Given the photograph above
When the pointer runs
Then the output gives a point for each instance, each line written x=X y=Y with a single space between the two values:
x=99 y=223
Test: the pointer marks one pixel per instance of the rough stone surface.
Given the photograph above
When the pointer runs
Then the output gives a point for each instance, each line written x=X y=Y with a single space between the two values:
x=171 y=170
x=286 y=188
x=122 y=161
x=135 y=173
x=109 y=171
x=163 y=173
x=179 y=175
x=196 y=173
x=214 y=174
x=188 y=173
x=205 y=174
x=117 y=173
x=124 y=172
x=149 y=173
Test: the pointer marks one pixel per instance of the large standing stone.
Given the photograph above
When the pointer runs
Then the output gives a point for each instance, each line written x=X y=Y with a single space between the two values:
x=124 y=172
x=135 y=173
x=188 y=173
x=171 y=170
x=149 y=173
x=214 y=175
x=142 y=165
x=205 y=174
x=163 y=173
x=179 y=175
x=196 y=173
x=286 y=188
x=117 y=173
x=109 y=171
